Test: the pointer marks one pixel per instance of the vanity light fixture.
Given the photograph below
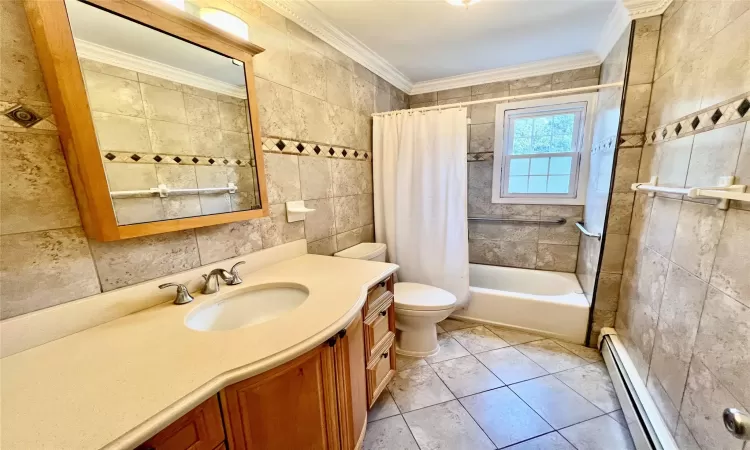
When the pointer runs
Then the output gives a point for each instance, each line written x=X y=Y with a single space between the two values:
x=465 y=3
x=227 y=22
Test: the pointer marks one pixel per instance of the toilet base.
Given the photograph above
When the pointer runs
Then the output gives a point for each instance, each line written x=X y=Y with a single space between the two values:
x=416 y=333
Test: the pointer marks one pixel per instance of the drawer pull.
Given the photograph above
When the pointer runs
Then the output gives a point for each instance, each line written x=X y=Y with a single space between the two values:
x=384 y=312
x=382 y=284
x=385 y=355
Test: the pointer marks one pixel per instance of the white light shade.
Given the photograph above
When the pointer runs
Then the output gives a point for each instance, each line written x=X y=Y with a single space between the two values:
x=179 y=4
x=225 y=21
x=465 y=3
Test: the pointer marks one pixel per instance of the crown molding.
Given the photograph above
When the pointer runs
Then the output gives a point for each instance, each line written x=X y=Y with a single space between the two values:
x=543 y=67
x=645 y=8
x=304 y=13
x=106 y=55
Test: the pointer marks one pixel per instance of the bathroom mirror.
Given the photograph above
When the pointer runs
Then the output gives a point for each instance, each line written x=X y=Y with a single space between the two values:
x=157 y=113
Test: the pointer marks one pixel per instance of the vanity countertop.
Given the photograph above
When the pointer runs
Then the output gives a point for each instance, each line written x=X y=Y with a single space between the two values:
x=115 y=385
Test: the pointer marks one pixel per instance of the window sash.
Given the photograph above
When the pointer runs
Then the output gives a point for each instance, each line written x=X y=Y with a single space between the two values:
x=572 y=183
x=578 y=110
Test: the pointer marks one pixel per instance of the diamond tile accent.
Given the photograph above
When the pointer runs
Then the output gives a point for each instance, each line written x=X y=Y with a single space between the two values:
x=695 y=122
x=110 y=156
x=135 y=157
x=157 y=158
x=177 y=159
x=23 y=116
x=195 y=160
x=677 y=129
x=280 y=145
x=716 y=116
x=331 y=151
x=743 y=107
x=317 y=150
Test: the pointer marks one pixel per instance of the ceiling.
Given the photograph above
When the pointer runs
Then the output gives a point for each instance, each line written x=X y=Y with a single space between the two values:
x=431 y=39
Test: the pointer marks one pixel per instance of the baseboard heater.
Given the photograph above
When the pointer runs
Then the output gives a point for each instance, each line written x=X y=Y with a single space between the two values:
x=647 y=428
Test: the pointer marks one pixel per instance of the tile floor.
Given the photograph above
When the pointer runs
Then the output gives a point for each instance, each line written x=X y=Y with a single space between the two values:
x=491 y=388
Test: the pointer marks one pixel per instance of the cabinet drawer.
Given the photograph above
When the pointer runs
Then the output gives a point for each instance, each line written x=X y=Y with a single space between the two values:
x=381 y=370
x=379 y=326
x=200 y=429
x=377 y=294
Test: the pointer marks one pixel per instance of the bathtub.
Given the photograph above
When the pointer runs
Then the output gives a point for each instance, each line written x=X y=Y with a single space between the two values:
x=541 y=302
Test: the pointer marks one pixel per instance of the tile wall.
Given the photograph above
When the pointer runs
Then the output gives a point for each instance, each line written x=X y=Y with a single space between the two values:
x=624 y=152
x=162 y=132
x=684 y=304
x=530 y=246
x=308 y=92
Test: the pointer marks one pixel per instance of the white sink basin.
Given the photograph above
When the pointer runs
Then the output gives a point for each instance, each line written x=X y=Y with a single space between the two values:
x=245 y=307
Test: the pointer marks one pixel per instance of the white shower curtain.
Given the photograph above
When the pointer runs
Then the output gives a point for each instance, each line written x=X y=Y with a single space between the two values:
x=419 y=177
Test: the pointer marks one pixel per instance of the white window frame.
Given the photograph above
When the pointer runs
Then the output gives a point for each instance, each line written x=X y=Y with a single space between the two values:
x=583 y=156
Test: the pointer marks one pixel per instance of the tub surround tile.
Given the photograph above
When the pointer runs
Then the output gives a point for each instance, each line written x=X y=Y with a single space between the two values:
x=169 y=137
x=510 y=365
x=697 y=237
x=684 y=438
x=58 y=261
x=478 y=339
x=447 y=425
x=602 y=432
x=202 y=111
x=449 y=349
x=662 y=401
x=504 y=417
x=714 y=152
x=559 y=258
x=550 y=355
x=466 y=376
x=384 y=407
x=730 y=266
x=417 y=388
x=233 y=117
x=111 y=94
x=182 y=177
x=163 y=104
x=593 y=383
x=661 y=230
x=211 y=176
x=558 y=404
x=482 y=138
x=121 y=133
x=388 y=434
x=501 y=253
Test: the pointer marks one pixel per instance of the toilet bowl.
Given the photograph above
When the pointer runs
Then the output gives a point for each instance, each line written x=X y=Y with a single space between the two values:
x=418 y=307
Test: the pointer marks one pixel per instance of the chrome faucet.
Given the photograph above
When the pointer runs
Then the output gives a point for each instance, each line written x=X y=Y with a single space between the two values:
x=183 y=296
x=231 y=278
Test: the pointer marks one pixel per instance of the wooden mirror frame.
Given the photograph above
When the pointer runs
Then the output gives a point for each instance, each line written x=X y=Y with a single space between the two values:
x=53 y=38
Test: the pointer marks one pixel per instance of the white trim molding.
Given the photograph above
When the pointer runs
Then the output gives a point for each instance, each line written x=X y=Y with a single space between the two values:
x=645 y=8
x=508 y=73
x=617 y=21
x=107 y=55
x=304 y=13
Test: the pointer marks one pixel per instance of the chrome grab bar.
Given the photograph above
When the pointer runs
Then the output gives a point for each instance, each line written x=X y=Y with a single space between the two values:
x=559 y=221
x=583 y=230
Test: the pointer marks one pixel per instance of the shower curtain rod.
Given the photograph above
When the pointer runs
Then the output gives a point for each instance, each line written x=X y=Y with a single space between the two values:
x=510 y=97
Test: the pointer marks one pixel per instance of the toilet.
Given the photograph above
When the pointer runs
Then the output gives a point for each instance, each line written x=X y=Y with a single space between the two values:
x=418 y=307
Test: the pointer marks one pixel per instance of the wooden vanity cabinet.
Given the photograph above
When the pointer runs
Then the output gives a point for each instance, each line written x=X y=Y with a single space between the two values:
x=318 y=401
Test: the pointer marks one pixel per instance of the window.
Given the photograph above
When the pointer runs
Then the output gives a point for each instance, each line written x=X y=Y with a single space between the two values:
x=542 y=151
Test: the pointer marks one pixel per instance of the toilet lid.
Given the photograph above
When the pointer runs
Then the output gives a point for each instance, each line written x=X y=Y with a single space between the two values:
x=421 y=297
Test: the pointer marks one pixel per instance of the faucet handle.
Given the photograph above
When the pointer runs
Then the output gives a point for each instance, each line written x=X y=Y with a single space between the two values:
x=235 y=274
x=183 y=296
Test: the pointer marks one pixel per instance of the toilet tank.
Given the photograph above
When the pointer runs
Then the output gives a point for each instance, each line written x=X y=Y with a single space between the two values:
x=369 y=250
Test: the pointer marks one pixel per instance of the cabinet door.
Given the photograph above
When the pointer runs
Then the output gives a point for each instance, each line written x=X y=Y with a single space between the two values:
x=200 y=429
x=290 y=407
x=352 y=385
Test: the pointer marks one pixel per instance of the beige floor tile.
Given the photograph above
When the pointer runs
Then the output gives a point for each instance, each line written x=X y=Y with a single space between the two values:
x=440 y=329
x=550 y=441
x=587 y=353
x=510 y=365
x=417 y=388
x=593 y=383
x=388 y=434
x=384 y=407
x=466 y=376
x=619 y=416
x=514 y=337
x=551 y=356
x=478 y=339
x=596 y=434
x=504 y=417
x=449 y=349
x=558 y=404
x=447 y=426
x=404 y=362
x=453 y=324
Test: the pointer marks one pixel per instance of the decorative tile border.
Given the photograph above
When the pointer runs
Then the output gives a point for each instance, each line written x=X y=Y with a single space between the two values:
x=27 y=117
x=471 y=157
x=631 y=140
x=605 y=145
x=294 y=147
x=732 y=111
x=187 y=160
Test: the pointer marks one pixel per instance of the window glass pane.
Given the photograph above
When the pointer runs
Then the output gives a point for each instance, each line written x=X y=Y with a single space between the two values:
x=562 y=143
x=560 y=165
x=522 y=146
x=558 y=184
x=563 y=123
x=539 y=166
x=542 y=126
x=519 y=166
x=538 y=185
x=518 y=185
x=523 y=127
x=542 y=144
